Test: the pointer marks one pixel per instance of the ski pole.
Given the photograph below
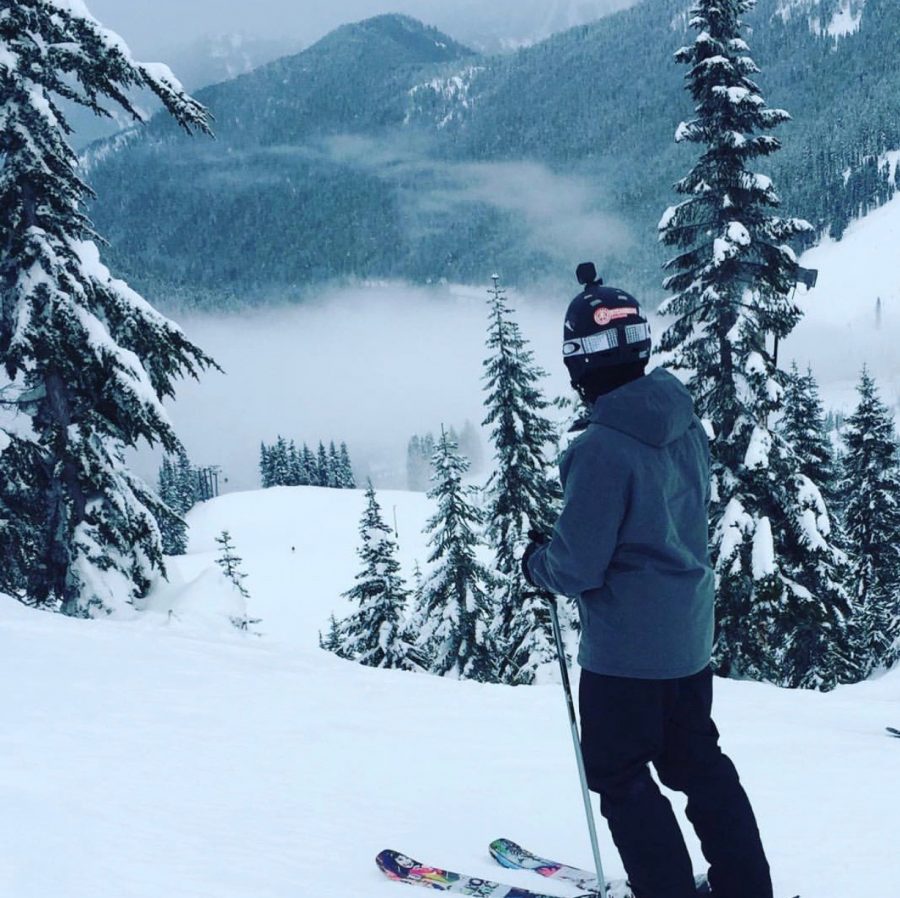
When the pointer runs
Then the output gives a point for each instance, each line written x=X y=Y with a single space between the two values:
x=576 y=740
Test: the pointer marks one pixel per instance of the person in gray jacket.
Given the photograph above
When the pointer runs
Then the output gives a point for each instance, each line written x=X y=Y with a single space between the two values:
x=632 y=546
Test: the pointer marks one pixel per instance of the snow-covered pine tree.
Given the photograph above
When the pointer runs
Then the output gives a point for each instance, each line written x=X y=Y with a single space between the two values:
x=778 y=572
x=374 y=634
x=321 y=465
x=265 y=466
x=870 y=488
x=230 y=563
x=310 y=469
x=299 y=472
x=20 y=517
x=520 y=492
x=454 y=611
x=172 y=526
x=826 y=567
x=281 y=462
x=334 y=465
x=187 y=488
x=346 y=480
x=87 y=360
x=332 y=642
x=803 y=426
x=291 y=471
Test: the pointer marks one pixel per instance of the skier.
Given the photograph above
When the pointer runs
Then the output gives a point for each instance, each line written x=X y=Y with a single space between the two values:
x=631 y=545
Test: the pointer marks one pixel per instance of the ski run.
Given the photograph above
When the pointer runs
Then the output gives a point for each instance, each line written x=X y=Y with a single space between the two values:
x=171 y=755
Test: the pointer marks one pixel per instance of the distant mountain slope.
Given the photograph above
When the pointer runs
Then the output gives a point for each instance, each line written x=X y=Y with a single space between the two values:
x=853 y=316
x=388 y=150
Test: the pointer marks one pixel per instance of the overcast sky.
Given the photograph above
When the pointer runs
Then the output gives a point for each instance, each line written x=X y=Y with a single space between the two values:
x=153 y=26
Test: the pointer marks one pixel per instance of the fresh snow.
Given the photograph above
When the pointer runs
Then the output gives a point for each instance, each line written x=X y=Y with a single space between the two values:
x=763 y=558
x=841 y=330
x=171 y=755
x=758 y=450
x=845 y=21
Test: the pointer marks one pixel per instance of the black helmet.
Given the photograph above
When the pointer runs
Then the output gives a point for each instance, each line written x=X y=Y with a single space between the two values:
x=604 y=328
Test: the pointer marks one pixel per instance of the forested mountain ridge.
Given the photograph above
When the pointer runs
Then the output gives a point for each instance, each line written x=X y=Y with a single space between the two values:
x=388 y=150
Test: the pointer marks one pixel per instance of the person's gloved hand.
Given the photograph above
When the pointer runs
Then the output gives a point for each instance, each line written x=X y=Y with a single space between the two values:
x=536 y=539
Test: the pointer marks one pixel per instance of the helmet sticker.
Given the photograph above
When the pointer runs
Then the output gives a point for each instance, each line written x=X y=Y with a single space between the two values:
x=603 y=315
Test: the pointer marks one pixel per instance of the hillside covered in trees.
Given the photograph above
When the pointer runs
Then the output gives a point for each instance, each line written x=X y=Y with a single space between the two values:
x=388 y=150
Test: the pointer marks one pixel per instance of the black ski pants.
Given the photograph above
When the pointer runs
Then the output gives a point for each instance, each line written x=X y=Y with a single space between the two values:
x=628 y=724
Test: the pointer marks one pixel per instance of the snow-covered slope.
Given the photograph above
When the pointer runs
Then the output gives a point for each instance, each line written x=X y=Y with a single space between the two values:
x=173 y=756
x=844 y=327
x=837 y=21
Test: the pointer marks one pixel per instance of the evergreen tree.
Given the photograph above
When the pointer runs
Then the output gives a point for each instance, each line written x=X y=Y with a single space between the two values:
x=803 y=427
x=781 y=604
x=230 y=563
x=88 y=360
x=321 y=466
x=334 y=465
x=871 y=490
x=520 y=493
x=452 y=619
x=20 y=521
x=310 y=469
x=172 y=526
x=186 y=487
x=302 y=474
x=265 y=466
x=346 y=480
x=374 y=634
x=281 y=462
x=292 y=472
x=333 y=641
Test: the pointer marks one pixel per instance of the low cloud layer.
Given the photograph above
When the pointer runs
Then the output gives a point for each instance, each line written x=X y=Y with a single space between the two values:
x=562 y=213
x=372 y=366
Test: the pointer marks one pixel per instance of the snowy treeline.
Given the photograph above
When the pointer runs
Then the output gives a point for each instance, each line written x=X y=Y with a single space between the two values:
x=86 y=362
x=464 y=618
x=179 y=490
x=284 y=464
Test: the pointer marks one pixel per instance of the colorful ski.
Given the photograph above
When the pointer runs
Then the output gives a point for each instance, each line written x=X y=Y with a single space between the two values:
x=401 y=868
x=512 y=856
x=508 y=854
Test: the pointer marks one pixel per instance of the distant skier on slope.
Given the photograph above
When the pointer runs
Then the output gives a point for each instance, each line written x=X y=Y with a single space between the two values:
x=631 y=544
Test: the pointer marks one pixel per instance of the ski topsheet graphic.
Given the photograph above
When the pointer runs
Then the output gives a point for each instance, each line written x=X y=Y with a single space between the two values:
x=508 y=854
x=401 y=868
x=512 y=856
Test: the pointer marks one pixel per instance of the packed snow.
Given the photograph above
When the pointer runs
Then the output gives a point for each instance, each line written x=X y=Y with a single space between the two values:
x=171 y=754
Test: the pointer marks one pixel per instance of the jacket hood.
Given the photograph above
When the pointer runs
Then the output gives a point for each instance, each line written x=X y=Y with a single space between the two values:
x=655 y=409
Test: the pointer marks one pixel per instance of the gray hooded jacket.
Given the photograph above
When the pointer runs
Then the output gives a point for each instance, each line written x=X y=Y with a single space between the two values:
x=632 y=541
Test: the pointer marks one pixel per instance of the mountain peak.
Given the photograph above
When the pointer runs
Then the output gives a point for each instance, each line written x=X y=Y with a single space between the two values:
x=415 y=41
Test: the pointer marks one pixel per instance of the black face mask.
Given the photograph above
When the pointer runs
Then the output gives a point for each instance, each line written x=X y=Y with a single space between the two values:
x=600 y=381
